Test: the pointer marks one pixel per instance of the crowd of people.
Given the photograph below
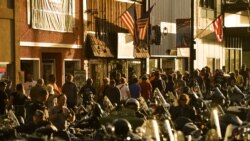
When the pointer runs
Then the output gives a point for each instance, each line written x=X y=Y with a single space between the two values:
x=40 y=104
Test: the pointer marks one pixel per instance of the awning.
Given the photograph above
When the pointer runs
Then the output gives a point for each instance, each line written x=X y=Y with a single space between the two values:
x=98 y=47
x=141 y=51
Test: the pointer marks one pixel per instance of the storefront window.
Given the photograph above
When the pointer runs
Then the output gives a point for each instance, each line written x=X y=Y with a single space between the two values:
x=117 y=67
x=134 y=69
x=153 y=64
x=168 y=65
x=71 y=66
x=181 y=65
x=233 y=59
x=32 y=67
x=213 y=64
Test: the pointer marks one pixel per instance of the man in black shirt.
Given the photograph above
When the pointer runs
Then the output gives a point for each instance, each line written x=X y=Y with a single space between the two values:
x=157 y=82
x=88 y=87
x=113 y=93
x=69 y=88
x=31 y=107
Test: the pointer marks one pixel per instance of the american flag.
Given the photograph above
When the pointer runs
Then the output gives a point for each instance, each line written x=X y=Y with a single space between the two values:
x=142 y=25
x=129 y=18
x=218 y=30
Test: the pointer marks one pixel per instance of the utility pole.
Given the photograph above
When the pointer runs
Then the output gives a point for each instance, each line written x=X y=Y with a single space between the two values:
x=192 y=55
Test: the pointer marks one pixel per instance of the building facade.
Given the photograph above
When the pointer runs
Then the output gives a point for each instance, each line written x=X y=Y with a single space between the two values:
x=88 y=38
x=7 y=39
x=108 y=45
x=50 y=38
x=232 y=52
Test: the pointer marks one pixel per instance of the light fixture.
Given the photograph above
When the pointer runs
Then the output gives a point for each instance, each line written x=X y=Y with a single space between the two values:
x=165 y=31
x=130 y=1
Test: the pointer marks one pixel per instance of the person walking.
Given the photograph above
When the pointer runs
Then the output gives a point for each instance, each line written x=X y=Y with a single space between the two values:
x=17 y=99
x=35 y=91
x=134 y=88
x=29 y=83
x=157 y=82
x=113 y=93
x=52 y=81
x=146 y=88
x=124 y=89
x=101 y=91
x=69 y=88
x=52 y=98
x=88 y=87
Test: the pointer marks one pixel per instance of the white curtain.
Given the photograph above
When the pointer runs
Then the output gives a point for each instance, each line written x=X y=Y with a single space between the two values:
x=53 y=15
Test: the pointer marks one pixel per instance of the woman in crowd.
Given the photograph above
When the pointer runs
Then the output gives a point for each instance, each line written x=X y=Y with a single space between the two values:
x=18 y=99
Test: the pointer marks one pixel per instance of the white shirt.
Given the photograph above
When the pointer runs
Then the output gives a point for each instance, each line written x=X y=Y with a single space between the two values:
x=28 y=85
x=124 y=91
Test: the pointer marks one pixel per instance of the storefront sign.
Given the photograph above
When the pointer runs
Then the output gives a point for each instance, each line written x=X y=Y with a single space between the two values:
x=125 y=46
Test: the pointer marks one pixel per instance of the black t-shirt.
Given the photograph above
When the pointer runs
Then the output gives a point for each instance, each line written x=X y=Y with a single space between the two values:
x=113 y=93
x=19 y=99
x=160 y=84
x=86 y=88
x=3 y=97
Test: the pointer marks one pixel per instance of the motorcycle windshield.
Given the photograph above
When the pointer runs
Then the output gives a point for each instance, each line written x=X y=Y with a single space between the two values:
x=151 y=130
x=216 y=122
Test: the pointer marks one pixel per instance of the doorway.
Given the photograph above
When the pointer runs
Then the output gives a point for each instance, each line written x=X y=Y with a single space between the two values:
x=49 y=67
x=52 y=64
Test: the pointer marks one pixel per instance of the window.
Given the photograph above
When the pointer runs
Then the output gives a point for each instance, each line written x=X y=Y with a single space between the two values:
x=213 y=64
x=30 y=66
x=52 y=15
x=207 y=4
x=233 y=59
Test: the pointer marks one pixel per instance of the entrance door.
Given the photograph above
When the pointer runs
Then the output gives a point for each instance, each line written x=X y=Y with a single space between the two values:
x=96 y=72
x=48 y=68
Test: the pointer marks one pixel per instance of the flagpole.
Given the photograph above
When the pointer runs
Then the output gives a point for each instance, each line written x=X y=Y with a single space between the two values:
x=207 y=27
x=192 y=50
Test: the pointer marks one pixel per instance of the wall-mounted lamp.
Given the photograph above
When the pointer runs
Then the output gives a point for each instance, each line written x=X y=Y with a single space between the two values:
x=130 y=1
x=165 y=31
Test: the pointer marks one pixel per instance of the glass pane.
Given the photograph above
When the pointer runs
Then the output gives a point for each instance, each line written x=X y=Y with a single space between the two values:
x=168 y=65
x=152 y=64
x=237 y=59
x=180 y=65
x=71 y=66
x=217 y=64
x=226 y=58
x=210 y=63
x=232 y=60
